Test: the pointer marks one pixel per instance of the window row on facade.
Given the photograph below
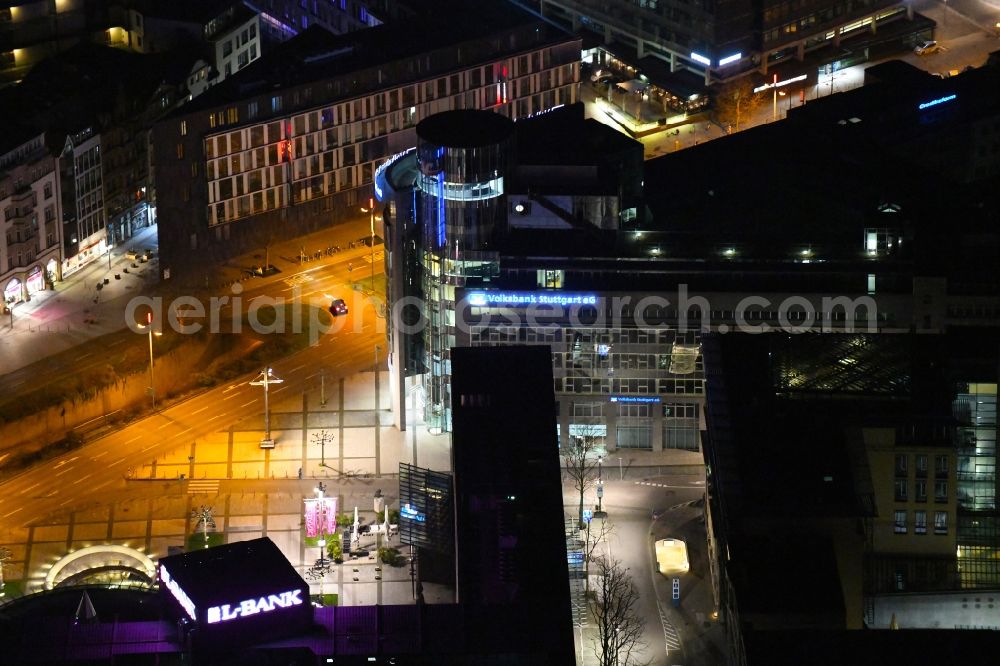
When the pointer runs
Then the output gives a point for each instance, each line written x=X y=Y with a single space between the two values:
x=591 y=385
x=223 y=191
x=920 y=487
x=499 y=82
x=919 y=526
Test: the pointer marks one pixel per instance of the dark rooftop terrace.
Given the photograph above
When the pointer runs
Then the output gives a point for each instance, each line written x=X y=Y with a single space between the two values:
x=316 y=54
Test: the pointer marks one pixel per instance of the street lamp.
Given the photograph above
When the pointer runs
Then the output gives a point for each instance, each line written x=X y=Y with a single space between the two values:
x=265 y=379
x=321 y=438
x=371 y=212
x=204 y=514
x=5 y=555
x=321 y=506
x=600 y=485
x=149 y=325
x=774 y=85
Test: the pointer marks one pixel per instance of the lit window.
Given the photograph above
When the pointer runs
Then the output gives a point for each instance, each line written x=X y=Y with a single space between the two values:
x=920 y=522
x=899 y=524
x=940 y=522
x=184 y=128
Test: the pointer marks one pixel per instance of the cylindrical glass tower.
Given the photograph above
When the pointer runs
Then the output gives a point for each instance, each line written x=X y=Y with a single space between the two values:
x=462 y=158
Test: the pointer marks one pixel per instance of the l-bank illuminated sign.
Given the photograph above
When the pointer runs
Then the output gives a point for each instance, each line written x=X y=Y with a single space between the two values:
x=182 y=598
x=501 y=298
x=247 y=607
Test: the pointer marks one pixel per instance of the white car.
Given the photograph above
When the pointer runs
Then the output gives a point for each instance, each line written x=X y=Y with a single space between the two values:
x=927 y=48
x=672 y=556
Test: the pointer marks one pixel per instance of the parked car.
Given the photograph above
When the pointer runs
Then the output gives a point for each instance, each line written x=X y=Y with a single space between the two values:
x=927 y=48
x=672 y=556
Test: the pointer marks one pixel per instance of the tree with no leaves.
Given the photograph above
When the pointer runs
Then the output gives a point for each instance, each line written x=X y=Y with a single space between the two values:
x=580 y=458
x=735 y=102
x=619 y=625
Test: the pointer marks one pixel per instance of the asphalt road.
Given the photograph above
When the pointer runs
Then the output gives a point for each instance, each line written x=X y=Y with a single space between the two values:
x=630 y=507
x=103 y=464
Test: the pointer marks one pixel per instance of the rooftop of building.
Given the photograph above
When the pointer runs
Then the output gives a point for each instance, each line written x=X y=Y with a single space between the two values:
x=188 y=11
x=465 y=128
x=780 y=408
x=232 y=571
x=871 y=647
x=316 y=54
x=81 y=87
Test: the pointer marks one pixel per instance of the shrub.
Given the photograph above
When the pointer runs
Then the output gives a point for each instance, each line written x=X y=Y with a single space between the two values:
x=393 y=516
x=391 y=556
x=345 y=520
x=334 y=548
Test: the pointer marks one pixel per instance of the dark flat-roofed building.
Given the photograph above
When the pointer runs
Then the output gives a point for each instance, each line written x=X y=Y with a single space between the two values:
x=511 y=549
x=835 y=491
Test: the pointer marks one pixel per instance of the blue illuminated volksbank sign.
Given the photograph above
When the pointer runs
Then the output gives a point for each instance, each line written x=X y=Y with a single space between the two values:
x=635 y=399
x=523 y=298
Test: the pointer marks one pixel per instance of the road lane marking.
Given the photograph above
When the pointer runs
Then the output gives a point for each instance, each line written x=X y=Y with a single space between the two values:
x=199 y=411
x=129 y=441
x=118 y=461
x=148 y=448
x=7 y=515
x=102 y=453
x=231 y=395
x=231 y=387
x=99 y=486
x=67 y=469
x=247 y=404
x=82 y=478
x=30 y=487
x=296 y=369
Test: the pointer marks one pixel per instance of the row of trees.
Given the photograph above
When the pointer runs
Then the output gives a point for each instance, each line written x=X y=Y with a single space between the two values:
x=613 y=602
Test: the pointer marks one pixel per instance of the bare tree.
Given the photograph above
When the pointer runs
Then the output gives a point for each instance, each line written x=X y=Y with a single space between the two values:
x=580 y=458
x=736 y=101
x=598 y=532
x=619 y=624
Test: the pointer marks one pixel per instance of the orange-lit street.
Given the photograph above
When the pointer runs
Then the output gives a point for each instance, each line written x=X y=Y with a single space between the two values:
x=137 y=486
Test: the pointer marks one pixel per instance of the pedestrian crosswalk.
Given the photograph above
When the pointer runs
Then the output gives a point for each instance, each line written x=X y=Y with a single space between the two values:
x=203 y=487
x=298 y=279
x=670 y=636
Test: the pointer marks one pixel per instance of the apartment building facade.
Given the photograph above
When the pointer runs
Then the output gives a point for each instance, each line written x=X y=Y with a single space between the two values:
x=31 y=235
x=299 y=154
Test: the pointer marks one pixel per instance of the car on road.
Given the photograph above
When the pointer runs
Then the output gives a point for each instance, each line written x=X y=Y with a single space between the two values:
x=927 y=48
x=672 y=556
x=338 y=307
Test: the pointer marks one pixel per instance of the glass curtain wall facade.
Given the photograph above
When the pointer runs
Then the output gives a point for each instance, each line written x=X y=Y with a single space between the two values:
x=975 y=408
x=461 y=208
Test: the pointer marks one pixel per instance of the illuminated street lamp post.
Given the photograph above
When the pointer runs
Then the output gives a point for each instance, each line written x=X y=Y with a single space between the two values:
x=5 y=555
x=600 y=486
x=265 y=379
x=149 y=325
x=321 y=438
x=371 y=212
x=774 y=85
x=321 y=507
x=205 y=518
